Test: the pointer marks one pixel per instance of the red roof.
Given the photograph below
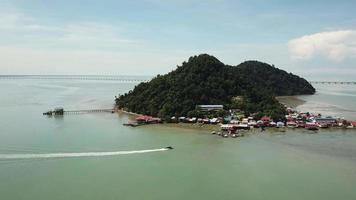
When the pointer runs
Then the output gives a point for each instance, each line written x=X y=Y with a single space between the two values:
x=143 y=118
x=353 y=124
x=265 y=118
x=311 y=125
x=147 y=118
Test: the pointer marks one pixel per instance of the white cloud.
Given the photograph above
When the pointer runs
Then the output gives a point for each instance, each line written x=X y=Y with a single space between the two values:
x=22 y=29
x=34 y=46
x=335 y=46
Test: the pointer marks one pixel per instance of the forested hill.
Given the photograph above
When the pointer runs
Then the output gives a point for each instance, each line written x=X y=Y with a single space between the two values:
x=204 y=79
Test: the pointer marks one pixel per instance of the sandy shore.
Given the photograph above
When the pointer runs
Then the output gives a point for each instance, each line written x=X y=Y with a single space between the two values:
x=290 y=101
x=131 y=115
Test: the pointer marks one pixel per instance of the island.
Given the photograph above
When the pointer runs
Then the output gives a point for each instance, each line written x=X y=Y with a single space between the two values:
x=204 y=87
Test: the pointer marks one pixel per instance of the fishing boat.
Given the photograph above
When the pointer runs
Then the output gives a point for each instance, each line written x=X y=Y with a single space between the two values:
x=311 y=126
x=323 y=125
x=132 y=124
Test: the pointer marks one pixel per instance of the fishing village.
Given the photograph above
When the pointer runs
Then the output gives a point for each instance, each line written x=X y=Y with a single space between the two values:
x=235 y=124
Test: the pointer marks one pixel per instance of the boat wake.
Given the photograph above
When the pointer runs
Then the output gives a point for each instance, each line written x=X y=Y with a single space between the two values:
x=72 y=155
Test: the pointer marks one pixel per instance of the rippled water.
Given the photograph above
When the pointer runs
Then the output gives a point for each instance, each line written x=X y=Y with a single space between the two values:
x=272 y=165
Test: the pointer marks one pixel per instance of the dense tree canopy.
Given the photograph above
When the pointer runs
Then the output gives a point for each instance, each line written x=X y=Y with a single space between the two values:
x=206 y=80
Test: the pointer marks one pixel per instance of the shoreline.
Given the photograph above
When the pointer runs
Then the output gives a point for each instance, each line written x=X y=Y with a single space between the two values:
x=120 y=111
x=217 y=127
x=291 y=101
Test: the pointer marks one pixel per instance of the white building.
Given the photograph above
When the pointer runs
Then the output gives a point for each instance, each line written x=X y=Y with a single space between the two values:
x=210 y=107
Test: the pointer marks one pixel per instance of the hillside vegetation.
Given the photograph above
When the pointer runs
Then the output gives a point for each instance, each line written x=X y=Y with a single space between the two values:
x=204 y=79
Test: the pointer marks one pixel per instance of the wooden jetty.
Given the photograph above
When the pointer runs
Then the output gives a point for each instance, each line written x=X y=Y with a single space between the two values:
x=61 y=111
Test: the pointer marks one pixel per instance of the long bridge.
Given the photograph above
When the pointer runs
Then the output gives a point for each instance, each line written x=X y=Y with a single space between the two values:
x=334 y=82
x=124 y=79
x=78 y=77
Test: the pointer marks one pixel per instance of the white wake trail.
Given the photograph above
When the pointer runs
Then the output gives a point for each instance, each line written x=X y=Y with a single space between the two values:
x=71 y=155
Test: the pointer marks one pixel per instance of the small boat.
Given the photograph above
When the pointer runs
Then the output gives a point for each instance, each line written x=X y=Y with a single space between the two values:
x=225 y=135
x=233 y=135
x=280 y=125
x=213 y=132
x=132 y=124
x=169 y=147
x=323 y=125
x=311 y=127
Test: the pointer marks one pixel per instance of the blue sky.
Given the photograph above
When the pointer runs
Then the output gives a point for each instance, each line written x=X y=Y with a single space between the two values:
x=315 y=39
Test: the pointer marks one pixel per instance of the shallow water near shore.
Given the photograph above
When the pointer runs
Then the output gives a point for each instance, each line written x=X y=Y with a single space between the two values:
x=334 y=100
x=296 y=164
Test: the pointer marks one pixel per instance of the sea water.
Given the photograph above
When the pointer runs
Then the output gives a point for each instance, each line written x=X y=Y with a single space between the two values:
x=296 y=164
x=337 y=100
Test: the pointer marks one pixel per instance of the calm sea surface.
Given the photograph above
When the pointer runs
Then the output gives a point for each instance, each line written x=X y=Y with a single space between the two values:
x=334 y=100
x=292 y=165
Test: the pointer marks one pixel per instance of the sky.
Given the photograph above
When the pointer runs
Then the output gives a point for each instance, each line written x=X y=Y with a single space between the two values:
x=315 y=39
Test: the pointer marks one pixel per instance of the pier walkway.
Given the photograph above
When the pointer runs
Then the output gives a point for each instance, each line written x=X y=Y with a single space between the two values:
x=88 y=111
x=63 y=112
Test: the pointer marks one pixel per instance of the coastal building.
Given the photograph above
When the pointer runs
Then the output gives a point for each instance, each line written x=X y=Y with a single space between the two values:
x=58 y=111
x=245 y=121
x=279 y=124
x=181 y=119
x=353 y=124
x=252 y=123
x=272 y=124
x=292 y=124
x=327 y=120
x=191 y=120
x=206 y=121
x=214 y=121
x=210 y=107
x=234 y=121
x=266 y=120
x=227 y=127
x=144 y=119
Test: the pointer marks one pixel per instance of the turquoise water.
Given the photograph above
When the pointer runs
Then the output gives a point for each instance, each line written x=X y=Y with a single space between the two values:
x=291 y=165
